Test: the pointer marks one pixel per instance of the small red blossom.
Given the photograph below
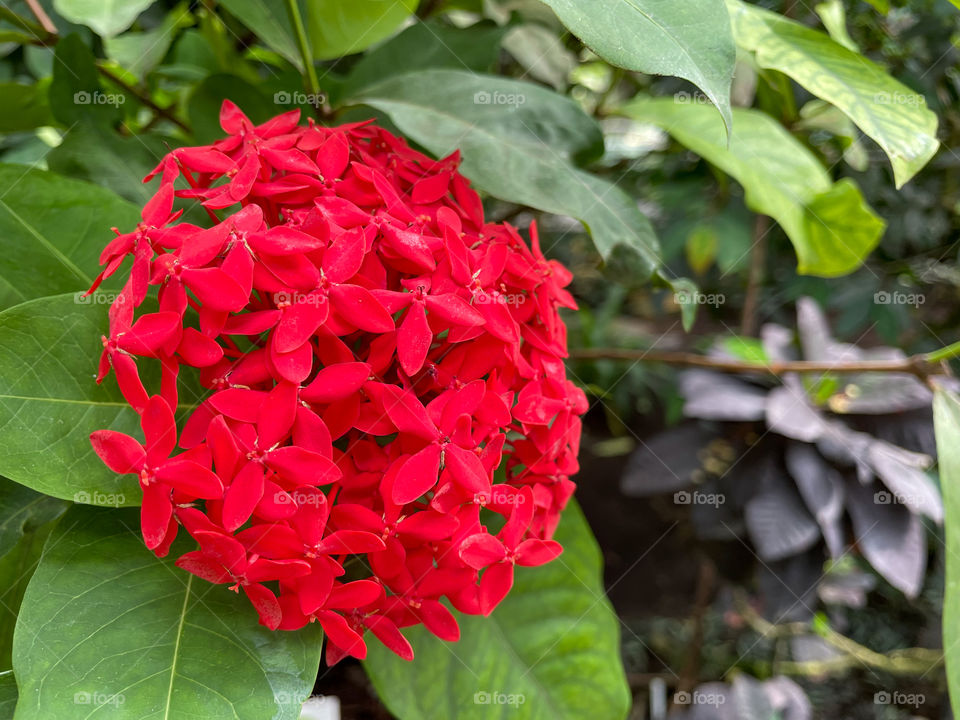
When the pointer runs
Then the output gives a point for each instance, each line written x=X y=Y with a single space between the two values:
x=374 y=353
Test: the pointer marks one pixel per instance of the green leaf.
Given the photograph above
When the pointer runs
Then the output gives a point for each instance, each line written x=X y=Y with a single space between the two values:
x=98 y=154
x=140 y=52
x=104 y=17
x=50 y=403
x=891 y=113
x=550 y=651
x=426 y=45
x=337 y=28
x=831 y=226
x=203 y=108
x=8 y=695
x=541 y=53
x=107 y=625
x=269 y=20
x=54 y=229
x=519 y=142
x=834 y=18
x=946 y=420
x=690 y=39
x=26 y=519
x=24 y=107
x=75 y=92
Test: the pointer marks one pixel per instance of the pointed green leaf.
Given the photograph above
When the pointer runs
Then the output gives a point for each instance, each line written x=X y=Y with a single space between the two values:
x=831 y=226
x=108 y=629
x=519 y=142
x=50 y=403
x=888 y=111
x=54 y=229
x=690 y=39
x=104 y=17
x=946 y=420
x=337 y=28
x=269 y=20
x=549 y=652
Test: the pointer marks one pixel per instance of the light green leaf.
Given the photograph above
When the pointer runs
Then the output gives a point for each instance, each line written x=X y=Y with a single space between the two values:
x=24 y=107
x=541 y=53
x=53 y=230
x=834 y=18
x=104 y=17
x=550 y=651
x=891 y=113
x=518 y=143
x=831 y=226
x=107 y=625
x=140 y=52
x=946 y=420
x=338 y=28
x=50 y=403
x=689 y=38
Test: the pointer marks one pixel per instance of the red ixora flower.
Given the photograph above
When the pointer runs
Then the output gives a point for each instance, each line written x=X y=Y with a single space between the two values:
x=374 y=354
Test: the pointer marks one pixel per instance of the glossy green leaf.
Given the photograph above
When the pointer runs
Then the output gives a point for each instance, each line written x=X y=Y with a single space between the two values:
x=24 y=107
x=104 y=17
x=108 y=626
x=53 y=230
x=831 y=226
x=690 y=39
x=519 y=143
x=338 y=28
x=76 y=94
x=50 y=403
x=427 y=45
x=895 y=116
x=269 y=20
x=549 y=652
x=946 y=420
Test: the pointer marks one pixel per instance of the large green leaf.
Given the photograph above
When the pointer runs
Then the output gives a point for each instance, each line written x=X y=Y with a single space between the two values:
x=50 y=403
x=338 y=28
x=550 y=651
x=52 y=230
x=831 y=226
x=104 y=17
x=519 y=142
x=690 y=39
x=895 y=116
x=107 y=625
x=24 y=106
x=946 y=419
x=269 y=20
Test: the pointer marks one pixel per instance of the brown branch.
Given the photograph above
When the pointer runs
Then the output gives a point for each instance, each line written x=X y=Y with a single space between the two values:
x=144 y=98
x=758 y=262
x=41 y=15
x=918 y=365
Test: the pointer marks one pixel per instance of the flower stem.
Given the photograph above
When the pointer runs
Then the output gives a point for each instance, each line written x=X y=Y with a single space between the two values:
x=310 y=73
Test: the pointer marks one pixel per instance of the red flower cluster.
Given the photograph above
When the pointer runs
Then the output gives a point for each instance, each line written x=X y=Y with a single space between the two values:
x=374 y=351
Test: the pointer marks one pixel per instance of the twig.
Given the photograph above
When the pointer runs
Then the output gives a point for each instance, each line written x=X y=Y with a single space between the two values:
x=143 y=98
x=922 y=366
x=706 y=579
x=758 y=261
x=41 y=15
x=306 y=55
